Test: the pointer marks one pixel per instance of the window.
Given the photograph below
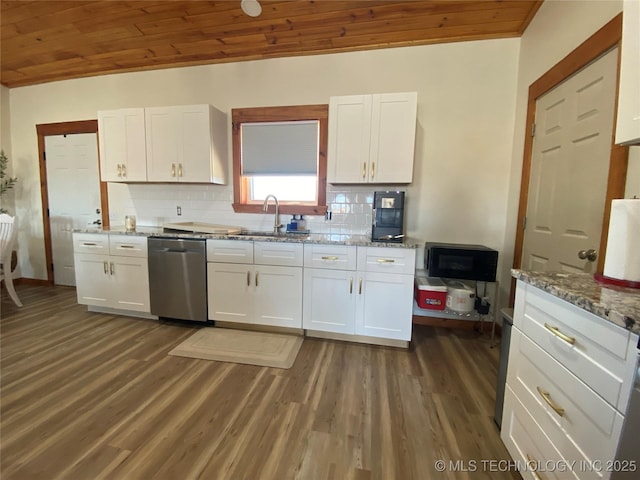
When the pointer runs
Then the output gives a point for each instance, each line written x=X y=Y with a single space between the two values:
x=282 y=151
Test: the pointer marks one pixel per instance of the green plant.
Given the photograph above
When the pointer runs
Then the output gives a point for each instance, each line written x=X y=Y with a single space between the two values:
x=6 y=183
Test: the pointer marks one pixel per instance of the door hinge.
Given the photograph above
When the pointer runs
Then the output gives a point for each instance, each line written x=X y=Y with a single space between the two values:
x=48 y=214
x=533 y=129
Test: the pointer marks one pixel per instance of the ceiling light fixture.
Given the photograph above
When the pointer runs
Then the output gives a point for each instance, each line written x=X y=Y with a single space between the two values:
x=251 y=7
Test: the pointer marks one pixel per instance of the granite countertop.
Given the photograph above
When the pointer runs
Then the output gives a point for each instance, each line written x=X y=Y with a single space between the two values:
x=317 y=238
x=618 y=305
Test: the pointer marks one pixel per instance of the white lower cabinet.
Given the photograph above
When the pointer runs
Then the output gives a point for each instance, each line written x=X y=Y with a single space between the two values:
x=372 y=296
x=568 y=384
x=112 y=271
x=247 y=293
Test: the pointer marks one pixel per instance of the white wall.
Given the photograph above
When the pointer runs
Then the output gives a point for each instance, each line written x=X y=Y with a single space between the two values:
x=558 y=28
x=7 y=200
x=466 y=105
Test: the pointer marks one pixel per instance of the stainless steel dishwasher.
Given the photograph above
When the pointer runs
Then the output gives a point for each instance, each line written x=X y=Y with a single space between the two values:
x=178 y=278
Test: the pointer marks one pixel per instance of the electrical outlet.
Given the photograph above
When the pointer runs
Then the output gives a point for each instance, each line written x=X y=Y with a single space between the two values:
x=179 y=210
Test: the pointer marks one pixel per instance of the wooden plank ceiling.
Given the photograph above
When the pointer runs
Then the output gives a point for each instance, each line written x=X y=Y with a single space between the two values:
x=44 y=41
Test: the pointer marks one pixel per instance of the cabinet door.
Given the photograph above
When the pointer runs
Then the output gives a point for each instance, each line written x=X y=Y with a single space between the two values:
x=122 y=145
x=628 y=124
x=93 y=280
x=194 y=164
x=278 y=296
x=349 y=139
x=385 y=305
x=130 y=283
x=393 y=133
x=329 y=302
x=230 y=292
x=163 y=144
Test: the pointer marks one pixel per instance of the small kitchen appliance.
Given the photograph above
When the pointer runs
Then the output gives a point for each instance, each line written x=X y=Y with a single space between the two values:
x=461 y=261
x=388 y=217
x=460 y=297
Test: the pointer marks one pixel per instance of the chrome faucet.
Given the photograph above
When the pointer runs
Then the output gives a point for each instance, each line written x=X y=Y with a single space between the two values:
x=265 y=206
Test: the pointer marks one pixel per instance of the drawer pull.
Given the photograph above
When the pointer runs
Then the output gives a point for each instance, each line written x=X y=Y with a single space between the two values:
x=331 y=257
x=386 y=260
x=556 y=331
x=350 y=285
x=546 y=397
x=87 y=244
x=127 y=246
x=532 y=465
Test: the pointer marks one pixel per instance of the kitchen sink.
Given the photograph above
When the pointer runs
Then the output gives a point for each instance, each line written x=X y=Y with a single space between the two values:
x=271 y=234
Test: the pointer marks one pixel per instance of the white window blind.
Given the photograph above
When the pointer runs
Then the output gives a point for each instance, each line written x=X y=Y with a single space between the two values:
x=280 y=148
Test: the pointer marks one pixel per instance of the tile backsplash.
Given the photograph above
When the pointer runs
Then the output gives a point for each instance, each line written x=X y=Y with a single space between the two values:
x=156 y=204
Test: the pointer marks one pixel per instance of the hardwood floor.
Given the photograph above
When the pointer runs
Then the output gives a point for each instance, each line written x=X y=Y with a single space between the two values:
x=95 y=396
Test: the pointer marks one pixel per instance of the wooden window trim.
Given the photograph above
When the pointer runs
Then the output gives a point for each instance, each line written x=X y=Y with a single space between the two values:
x=280 y=114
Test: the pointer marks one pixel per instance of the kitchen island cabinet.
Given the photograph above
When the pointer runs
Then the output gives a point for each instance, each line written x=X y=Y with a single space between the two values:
x=372 y=138
x=112 y=272
x=186 y=143
x=123 y=151
x=572 y=361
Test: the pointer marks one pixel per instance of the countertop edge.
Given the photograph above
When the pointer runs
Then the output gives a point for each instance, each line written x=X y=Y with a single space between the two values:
x=618 y=305
x=313 y=238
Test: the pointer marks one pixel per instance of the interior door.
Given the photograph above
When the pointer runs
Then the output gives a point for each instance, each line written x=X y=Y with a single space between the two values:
x=569 y=170
x=74 y=195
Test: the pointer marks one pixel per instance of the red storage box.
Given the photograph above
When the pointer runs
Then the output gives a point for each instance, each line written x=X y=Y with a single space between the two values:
x=431 y=293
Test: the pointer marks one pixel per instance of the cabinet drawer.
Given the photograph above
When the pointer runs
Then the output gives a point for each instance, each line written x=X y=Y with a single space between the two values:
x=334 y=257
x=230 y=251
x=128 y=246
x=387 y=260
x=593 y=349
x=572 y=413
x=91 y=243
x=274 y=253
x=527 y=443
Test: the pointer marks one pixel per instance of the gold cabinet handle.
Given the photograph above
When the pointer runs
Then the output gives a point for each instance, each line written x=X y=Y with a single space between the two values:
x=547 y=398
x=350 y=285
x=106 y=267
x=257 y=273
x=385 y=260
x=111 y=268
x=330 y=257
x=179 y=169
x=364 y=169
x=248 y=278
x=173 y=169
x=373 y=169
x=360 y=287
x=124 y=170
x=119 y=170
x=556 y=331
x=532 y=463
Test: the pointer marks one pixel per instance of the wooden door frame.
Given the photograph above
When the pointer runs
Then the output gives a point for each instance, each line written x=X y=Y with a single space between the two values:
x=63 y=128
x=599 y=43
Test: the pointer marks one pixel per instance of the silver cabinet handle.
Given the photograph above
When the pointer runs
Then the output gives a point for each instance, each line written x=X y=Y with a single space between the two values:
x=111 y=268
x=106 y=267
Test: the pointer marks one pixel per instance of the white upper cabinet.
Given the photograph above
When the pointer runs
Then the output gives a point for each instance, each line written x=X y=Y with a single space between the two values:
x=186 y=143
x=122 y=145
x=628 y=124
x=372 y=138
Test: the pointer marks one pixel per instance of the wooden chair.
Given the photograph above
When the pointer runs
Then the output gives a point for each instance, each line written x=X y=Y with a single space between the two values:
x=7 y=239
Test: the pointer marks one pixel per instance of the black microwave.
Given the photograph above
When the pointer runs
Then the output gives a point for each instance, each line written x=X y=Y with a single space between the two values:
x=461 y=261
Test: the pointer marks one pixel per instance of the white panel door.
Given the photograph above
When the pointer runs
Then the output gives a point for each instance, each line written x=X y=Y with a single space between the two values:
x=569 y=169
x=73 y=184
x=349 y=139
